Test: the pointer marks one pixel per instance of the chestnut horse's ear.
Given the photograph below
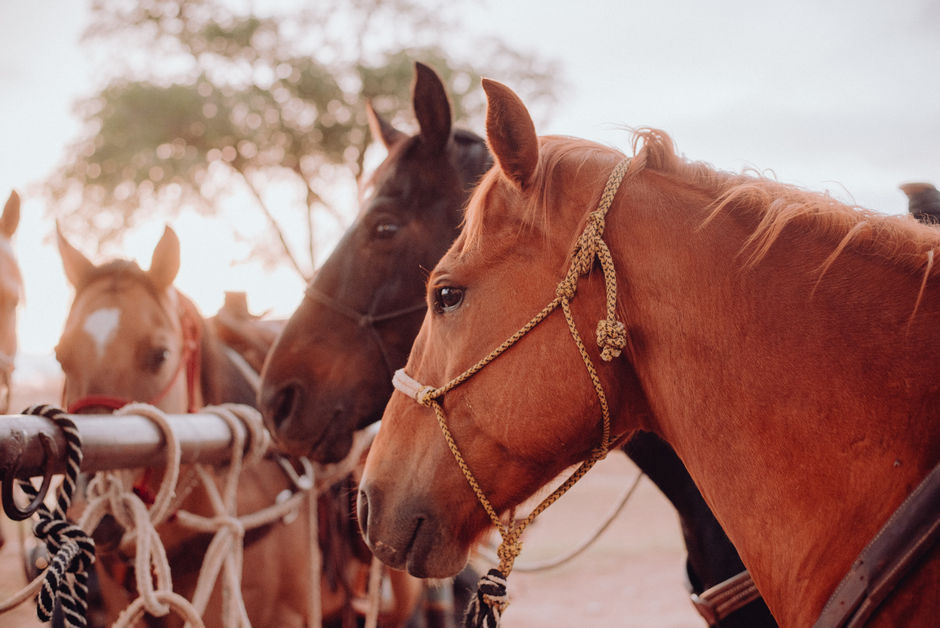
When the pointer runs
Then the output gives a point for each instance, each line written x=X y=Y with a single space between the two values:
x=381 y=129
x=165 y=262
x=11 y=215
x=432 y=109
x=510 y=133
x=77 y=266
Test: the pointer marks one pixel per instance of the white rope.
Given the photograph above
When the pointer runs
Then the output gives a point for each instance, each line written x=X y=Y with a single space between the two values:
x=23 y=594
x=376 y=571
x=113 y=493
x=315 y=564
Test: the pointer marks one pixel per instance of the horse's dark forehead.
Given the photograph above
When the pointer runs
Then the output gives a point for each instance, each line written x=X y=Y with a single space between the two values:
x=409 y=170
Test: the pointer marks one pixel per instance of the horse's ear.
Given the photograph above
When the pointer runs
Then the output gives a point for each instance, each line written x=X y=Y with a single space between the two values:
x=432 y=109
x=11 y=215
x=76 y=265
x=381 y=129
x=165 y=262
x=510 y=133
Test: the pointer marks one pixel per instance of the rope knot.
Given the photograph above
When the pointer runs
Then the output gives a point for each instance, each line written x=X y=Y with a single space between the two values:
x=404 y=383
x=425 y=396
x=611 y=338
x=566 y=288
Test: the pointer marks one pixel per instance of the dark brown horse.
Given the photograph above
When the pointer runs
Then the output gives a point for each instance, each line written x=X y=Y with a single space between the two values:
x=130 y=335
x=330 y=371
x=783 y=343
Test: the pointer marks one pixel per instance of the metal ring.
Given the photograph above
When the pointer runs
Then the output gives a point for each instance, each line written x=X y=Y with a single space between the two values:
x=10 y=507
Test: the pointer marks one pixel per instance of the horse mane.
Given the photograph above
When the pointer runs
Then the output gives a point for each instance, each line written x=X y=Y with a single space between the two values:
x=900 y=240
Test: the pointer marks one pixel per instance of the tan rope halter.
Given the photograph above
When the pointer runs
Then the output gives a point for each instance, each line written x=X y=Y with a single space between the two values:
x=611 y=339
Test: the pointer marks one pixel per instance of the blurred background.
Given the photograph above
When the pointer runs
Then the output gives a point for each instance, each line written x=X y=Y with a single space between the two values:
x=242 y=124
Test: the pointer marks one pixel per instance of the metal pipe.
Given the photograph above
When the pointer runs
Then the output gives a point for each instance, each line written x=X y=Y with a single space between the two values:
x=112 y=442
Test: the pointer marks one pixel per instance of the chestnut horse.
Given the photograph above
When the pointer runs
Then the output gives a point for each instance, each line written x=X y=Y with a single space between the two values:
x=329 y=373
x=130 y=335
x=784 y=344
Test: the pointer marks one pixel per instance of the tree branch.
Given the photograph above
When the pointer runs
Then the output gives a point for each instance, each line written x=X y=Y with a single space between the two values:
x=272 y=221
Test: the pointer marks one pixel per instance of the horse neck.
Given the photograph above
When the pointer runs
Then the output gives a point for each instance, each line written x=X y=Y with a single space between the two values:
x=711 y=556
x=777 y=400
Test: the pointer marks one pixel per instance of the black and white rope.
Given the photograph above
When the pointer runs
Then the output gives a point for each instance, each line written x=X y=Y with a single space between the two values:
x=488 y=603
x=71 y=549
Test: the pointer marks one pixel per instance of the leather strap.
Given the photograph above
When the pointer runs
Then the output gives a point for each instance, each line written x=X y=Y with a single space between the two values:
x=718 y=602
x=367 y=320
x=909 y=534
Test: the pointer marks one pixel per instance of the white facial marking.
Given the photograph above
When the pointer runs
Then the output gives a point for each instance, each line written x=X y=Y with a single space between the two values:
x=102 y=325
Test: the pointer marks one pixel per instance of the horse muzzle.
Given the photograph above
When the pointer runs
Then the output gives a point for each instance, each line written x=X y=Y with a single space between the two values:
x=411 y=537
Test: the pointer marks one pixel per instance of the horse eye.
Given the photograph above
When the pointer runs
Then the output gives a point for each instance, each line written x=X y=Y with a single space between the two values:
x=155 y=358
x=447 y=299
x=385 y=229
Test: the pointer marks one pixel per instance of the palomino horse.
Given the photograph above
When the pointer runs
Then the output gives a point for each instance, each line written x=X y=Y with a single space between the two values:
x=130 y=335
x=11 y=291
x=330 y=371
x=785 y=345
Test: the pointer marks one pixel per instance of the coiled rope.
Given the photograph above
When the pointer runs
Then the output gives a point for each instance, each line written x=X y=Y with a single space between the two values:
x=491 y=598
x=71 y=550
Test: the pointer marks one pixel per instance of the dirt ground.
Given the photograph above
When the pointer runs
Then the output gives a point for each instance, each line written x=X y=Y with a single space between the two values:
x=632 y=576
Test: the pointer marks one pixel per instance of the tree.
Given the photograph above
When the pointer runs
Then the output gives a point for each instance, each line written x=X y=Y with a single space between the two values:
x=205 y=100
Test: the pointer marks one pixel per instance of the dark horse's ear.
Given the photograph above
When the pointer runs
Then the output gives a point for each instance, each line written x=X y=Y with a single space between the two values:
x=381 y=129
x=11 y=215
x=165 y=262
x=77 y=267
x=510 y=133
x=432 y=109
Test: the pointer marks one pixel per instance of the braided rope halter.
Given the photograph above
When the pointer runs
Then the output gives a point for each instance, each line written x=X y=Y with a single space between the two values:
x=491 y=598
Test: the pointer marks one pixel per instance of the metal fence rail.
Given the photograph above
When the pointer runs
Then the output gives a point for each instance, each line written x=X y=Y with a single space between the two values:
x=110 y=442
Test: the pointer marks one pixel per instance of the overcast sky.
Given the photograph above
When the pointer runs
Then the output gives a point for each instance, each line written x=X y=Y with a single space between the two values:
x=841 y=96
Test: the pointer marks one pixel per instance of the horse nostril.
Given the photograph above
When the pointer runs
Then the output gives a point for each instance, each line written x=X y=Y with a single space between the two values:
x=284 y=404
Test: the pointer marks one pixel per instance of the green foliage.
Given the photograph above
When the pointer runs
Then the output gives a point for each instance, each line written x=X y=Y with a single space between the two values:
x=206 y=100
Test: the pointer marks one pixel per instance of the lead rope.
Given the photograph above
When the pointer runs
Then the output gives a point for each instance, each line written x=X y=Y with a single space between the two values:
x=491 y=599
x=71 y=549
